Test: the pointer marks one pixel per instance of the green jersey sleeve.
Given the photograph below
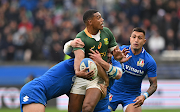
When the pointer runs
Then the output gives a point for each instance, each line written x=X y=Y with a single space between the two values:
x=79 y=35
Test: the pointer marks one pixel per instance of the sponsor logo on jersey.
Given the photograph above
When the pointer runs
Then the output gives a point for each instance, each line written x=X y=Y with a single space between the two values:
x=106 y=42
x=103 y=54
x=26 y=98
x=132 y=70
x=140 y=62
x=93 y=47
x=99 y=46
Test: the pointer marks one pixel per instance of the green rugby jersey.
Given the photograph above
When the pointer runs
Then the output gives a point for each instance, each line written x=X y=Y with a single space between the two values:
x=106 y=41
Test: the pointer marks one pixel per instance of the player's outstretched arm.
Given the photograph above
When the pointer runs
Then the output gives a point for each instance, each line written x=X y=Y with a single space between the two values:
x=153 y=86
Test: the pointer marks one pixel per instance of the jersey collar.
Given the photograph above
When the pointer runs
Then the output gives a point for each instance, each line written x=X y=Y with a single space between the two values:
x=87 y=33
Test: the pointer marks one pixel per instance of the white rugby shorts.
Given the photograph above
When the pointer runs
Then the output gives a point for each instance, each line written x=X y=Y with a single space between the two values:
x=81 y=85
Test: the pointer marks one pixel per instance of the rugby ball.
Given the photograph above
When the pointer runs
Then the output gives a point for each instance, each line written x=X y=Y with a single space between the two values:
x=87 y=62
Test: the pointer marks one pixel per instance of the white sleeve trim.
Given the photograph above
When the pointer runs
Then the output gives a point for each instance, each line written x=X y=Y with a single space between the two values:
x=68 y=48
x=112 y=48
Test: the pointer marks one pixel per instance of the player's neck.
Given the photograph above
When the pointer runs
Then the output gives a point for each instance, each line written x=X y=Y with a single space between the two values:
x=136 y=51
x=92 y=31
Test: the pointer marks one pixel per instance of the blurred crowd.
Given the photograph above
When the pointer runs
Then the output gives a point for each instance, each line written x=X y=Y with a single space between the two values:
x=33 y=30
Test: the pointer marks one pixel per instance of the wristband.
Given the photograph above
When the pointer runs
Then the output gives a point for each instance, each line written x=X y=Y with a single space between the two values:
x=146 y=95
x=113 y=71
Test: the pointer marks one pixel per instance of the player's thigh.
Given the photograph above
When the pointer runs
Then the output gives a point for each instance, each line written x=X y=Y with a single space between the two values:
x=93 y=96
x=75 y=102
x=33 y=107
x=131 y=108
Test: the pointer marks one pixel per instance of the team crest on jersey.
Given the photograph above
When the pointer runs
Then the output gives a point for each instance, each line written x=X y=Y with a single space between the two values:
x=106 y=42
x=140 y=62
x=110 y=96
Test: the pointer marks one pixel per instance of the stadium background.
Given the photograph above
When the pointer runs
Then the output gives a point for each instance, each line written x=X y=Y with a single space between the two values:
x=33 y=32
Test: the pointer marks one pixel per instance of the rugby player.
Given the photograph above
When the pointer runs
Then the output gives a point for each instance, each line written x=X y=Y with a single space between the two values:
x=85 y=94
x=127 y=90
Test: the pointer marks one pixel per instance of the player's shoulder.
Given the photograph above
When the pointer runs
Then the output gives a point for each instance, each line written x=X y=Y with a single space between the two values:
x=124 y=46
x=105 y=29
x=148 y=57
x=81 y=34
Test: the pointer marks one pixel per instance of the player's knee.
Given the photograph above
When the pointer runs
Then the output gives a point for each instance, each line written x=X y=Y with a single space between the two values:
x=87 y=107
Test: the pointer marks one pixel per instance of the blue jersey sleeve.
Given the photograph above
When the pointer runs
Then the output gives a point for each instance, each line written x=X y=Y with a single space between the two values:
x=151 y=68
x=116 y=63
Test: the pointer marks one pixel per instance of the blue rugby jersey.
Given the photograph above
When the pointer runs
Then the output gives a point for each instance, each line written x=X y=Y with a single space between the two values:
x=135 y=69
x=58 y=79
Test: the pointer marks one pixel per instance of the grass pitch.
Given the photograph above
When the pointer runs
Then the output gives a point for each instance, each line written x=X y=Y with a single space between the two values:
x=54 y=109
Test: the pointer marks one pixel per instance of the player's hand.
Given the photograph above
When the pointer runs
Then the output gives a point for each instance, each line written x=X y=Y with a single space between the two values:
x=117 y=53
x=84 y=74
x=95 y=55
x=139 y=101
x=125 y=58
x=77 y=43
x=121 y=55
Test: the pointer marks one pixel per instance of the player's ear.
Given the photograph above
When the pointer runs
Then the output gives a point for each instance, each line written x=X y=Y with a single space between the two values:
x=144 y=41
x=89 y=22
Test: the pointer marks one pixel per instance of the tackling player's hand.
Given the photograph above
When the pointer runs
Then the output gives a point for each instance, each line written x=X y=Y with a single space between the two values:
x=139 y=101
x=125 y=52
x=84 y=74
x=77 y=43
x=121 y=55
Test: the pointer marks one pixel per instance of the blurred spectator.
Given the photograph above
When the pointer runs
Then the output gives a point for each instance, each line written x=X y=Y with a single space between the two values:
x=12 y=13
x=170 y=40
x=147 y=11
x=9 y=46
x=19 y=40
x=13 y=26
x=156 y=43
x=25 y=23
x=56 y=48
x=178 y=41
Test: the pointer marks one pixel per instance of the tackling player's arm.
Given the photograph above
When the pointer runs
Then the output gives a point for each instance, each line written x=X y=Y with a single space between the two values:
x=112 y=71
x=68 y=47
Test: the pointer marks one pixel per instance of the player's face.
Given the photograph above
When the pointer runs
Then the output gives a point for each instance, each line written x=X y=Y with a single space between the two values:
x=137 y=40
x=97 y=21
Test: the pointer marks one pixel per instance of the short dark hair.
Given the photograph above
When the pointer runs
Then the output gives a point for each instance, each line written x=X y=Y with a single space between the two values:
x=89 y=14
x=138 y=29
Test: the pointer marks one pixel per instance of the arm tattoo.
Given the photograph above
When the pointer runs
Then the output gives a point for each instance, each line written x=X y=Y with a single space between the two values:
x=153 y=85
